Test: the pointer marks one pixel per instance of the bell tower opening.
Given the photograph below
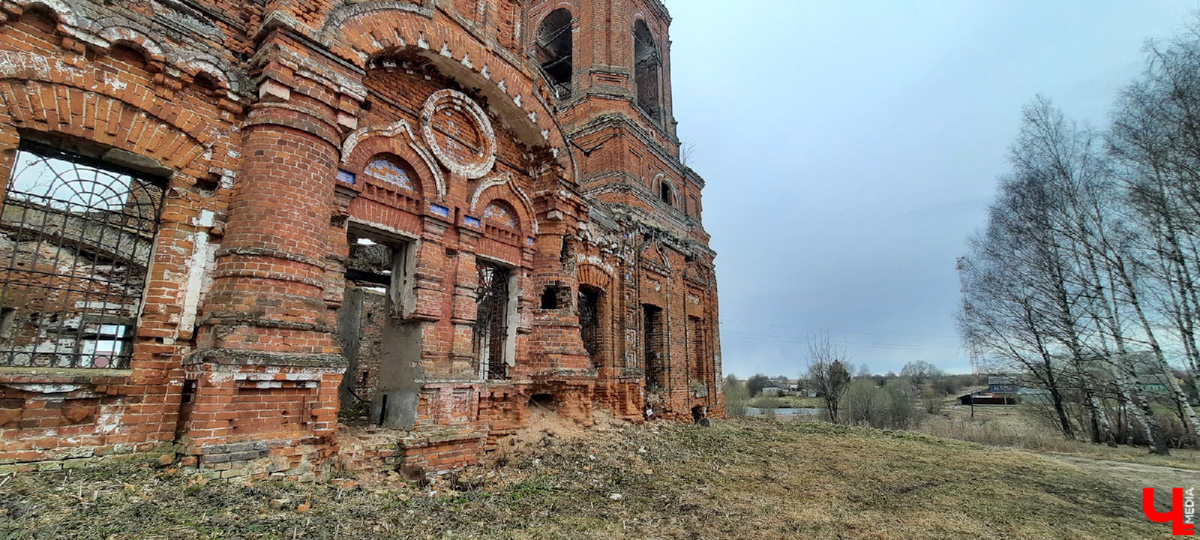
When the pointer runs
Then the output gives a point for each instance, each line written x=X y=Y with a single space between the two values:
x=554 y=49
x=647 y=69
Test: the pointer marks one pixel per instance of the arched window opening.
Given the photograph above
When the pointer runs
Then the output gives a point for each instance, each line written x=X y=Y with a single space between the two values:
x=554 y=49
x=647 y=67
x=78 y=239
x=666 y=193
x=589 y=320
x=654 y=343
x=389 y=171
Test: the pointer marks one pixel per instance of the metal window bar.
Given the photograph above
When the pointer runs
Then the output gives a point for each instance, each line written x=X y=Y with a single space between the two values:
x=76 y=238
x=589 y=320
x=491 y=321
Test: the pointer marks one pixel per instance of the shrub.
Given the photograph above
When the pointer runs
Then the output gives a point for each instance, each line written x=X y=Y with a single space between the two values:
x=737 y=397
x=887 y=407
x=932 y=401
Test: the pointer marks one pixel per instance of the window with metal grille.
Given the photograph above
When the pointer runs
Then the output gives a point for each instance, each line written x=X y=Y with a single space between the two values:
x=491 y=321
x=589 y=320
x=76 y=238
x=654 y=336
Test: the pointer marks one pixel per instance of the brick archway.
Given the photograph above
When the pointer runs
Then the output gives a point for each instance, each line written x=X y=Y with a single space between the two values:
x=365 y=34
x=118 y=111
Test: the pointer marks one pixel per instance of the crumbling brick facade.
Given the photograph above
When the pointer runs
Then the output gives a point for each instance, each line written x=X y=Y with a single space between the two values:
x=281 y=237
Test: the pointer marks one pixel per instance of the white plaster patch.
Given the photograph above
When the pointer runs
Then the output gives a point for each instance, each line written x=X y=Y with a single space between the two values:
x=206 y=219
x=108 y=423
x=201 y=257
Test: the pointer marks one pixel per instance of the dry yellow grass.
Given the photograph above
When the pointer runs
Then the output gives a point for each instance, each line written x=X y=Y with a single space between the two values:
x=1011 y=427
x=738 y=479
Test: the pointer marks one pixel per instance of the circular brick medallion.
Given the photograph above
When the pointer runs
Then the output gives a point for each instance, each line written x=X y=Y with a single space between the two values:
x=460 y=133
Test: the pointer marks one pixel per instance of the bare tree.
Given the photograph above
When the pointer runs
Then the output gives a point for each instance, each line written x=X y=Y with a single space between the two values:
x=1155 y=139
x=828 y=372
x=920 y=372
x=756 y=383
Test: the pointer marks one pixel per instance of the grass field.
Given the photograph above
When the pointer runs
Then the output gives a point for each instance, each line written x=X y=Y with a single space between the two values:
x=1010 y=426
x=739 y=479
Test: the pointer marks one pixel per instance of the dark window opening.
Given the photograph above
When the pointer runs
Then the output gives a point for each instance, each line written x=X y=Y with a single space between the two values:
x=666 y=193
x=647 y=70
x=491 y=321
x=567 y=253
x=554 y=49
x=589 y=320
x=543 y=401
x=8 y=317
x=556 y=297
x=698 y=366
x=77 y=240
x=383 y=266
x=655 y=341
x=549 y=298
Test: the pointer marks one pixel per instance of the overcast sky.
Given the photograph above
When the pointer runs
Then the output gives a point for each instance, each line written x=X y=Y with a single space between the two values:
x=850 y=148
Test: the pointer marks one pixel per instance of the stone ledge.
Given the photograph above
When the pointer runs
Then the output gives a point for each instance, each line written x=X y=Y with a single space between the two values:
x=232 y=357
x=35 y=375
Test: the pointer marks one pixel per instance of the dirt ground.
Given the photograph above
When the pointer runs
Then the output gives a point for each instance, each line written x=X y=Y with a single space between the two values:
x=738 y=479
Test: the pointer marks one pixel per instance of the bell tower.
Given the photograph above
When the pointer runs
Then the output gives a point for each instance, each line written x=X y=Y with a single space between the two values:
x=607 y=57
x=608 y=65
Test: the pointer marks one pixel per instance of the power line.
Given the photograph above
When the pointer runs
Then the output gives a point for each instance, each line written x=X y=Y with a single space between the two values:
x=890 y=346
x=840 y=331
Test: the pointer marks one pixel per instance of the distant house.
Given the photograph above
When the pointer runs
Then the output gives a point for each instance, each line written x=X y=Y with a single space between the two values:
x=773 y=389
x=988 y=398
x=1003 y=385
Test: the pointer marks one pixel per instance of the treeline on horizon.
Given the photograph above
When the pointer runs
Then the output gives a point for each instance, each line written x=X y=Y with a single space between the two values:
x=1084 y=281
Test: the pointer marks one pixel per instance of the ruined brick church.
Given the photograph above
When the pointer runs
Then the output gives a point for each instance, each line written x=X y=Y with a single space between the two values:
x=278 y=237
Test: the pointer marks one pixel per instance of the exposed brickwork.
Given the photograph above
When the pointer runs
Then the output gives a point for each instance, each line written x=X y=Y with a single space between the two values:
x=344 y=182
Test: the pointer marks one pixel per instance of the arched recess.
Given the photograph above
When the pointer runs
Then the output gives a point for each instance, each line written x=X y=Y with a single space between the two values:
x=647 y=70
x=667 y=193
x=554 y=49
x=105 y=32
x=504 y=227
x=504 y=187
x=393 y=172
x=502 y=214
x=596 y=314
x=367 y=34
x=397 y=139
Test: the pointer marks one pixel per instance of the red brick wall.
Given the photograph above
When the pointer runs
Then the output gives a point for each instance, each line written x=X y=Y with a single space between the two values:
x=254 y=125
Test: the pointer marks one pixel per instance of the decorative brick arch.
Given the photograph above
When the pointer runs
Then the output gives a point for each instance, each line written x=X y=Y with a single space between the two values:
x=366 y=32
x=503 y=186
x=507 y=205
x=396 y=138
x=593 y=275
x=27 y=74
x=103 y=33
x=124 y=34
x=653 y=253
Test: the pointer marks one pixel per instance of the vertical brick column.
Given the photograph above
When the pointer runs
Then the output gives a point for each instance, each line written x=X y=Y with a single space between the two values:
x=465 y=305
x=268 y=367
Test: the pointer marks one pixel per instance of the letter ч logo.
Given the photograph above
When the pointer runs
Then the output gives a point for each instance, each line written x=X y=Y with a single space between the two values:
x=1180 y=526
